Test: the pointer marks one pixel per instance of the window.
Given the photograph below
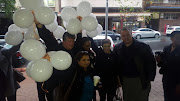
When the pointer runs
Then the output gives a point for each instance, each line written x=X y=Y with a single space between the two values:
x=177 y=29
x=144 y=30
x=49 y=3
x=174 y=1
x=157 y=1
x=170 y=16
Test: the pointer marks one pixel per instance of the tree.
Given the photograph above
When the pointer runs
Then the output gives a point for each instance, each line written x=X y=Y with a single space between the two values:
x=130 y=10
x=7 y=7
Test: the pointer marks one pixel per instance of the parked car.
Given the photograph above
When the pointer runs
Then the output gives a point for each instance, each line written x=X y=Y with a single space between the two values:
x=2 y=36
x=98 y=40
x=145 y=33
x=113 y=35
x=17 y=60
x=169 y=30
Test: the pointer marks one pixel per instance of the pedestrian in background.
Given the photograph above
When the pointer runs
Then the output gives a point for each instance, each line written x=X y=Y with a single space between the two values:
x=136 y=67
x=9 y=76
x=169 y=61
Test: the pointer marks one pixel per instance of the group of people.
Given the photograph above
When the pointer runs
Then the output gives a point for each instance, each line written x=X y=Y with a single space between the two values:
x=131 y=64
x=76 y=83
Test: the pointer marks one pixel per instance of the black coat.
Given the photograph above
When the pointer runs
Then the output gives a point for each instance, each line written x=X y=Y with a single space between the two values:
x=104 y=66
x=143 y=59
x=52 y=45
x=76 y=89
x=8 y=83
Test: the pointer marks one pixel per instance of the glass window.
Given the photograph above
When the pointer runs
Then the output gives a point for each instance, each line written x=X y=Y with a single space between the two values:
x=49 y=3
x=177 y=29
x=170 y=28
x=143 y=30
x=174 y=1
x=170 y=16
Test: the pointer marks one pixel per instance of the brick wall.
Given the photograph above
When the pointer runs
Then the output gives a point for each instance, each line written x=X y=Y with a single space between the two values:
x=162 y=23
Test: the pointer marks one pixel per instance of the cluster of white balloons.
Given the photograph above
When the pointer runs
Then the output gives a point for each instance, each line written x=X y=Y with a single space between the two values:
x=39 y=68
x=81 y=19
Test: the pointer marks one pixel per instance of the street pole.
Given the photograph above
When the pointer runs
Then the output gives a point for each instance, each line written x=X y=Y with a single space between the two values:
x=106 y=19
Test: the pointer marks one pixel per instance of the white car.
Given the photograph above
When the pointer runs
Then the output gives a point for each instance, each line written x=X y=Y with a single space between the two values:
x=169 y=30
x=145 y=33
x=98 y=40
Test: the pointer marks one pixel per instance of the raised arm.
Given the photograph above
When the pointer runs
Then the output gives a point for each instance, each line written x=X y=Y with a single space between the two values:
x=49 y=39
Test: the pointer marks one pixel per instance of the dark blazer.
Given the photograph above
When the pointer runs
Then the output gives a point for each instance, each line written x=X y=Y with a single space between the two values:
x=144 y=61
x=52 y=45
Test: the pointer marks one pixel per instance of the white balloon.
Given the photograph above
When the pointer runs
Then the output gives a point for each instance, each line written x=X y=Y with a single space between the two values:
x=92 y=33
x=89 y=23
x=32 y=49
x=92 y=15
x=13 y=37
x=52 y=27
x=50 y=53
x=84 y=9
x=59 y=32
x=30 y=34
x=74 y=26
x=61 y=60
x=31 y=4
x=23 y=30
x=28 y=68
x=99 y=29
x=41 y=70
x=84 y=33
x=13 y=27
x=65 y=24
x=44 y=15
x=23 y=18
x=68 y=13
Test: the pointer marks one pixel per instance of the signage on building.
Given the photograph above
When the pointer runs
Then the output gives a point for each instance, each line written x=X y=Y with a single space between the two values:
x=155 y=16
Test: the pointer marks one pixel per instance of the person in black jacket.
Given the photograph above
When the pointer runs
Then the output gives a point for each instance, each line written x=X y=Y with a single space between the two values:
x=8 y=78
x=105 y=69
x=82 y=87
x=169 y=61
x=136 y=66
x=60 y=78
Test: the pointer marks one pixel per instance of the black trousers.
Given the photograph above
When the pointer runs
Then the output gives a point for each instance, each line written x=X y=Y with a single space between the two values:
x=9 y=98
x=110 y=91
x=42 y=94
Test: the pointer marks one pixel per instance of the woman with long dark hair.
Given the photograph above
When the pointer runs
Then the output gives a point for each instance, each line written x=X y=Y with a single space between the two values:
x=83 y=88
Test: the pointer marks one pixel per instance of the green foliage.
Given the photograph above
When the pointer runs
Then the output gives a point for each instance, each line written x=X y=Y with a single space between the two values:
x=7 y=7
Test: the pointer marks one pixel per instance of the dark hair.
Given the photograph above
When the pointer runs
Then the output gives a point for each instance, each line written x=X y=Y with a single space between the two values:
x=174 y=33
x=67 y=35
x=84 y=40
x=80 y=54
x=105 y=41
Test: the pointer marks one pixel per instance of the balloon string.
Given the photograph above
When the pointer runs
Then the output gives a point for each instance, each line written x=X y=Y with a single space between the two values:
x=43 y=88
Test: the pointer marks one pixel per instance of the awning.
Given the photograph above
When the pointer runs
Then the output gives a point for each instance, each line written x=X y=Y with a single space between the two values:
x=162 y=7
x=119 y=14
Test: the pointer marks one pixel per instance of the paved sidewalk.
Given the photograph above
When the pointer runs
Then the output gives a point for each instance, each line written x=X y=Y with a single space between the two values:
x=28 y=91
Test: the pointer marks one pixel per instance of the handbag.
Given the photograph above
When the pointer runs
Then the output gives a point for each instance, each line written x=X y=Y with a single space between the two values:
x=118 y=96
x=18 y=76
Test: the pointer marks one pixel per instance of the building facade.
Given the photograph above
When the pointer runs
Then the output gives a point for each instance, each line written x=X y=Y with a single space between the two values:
x=167 y=13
